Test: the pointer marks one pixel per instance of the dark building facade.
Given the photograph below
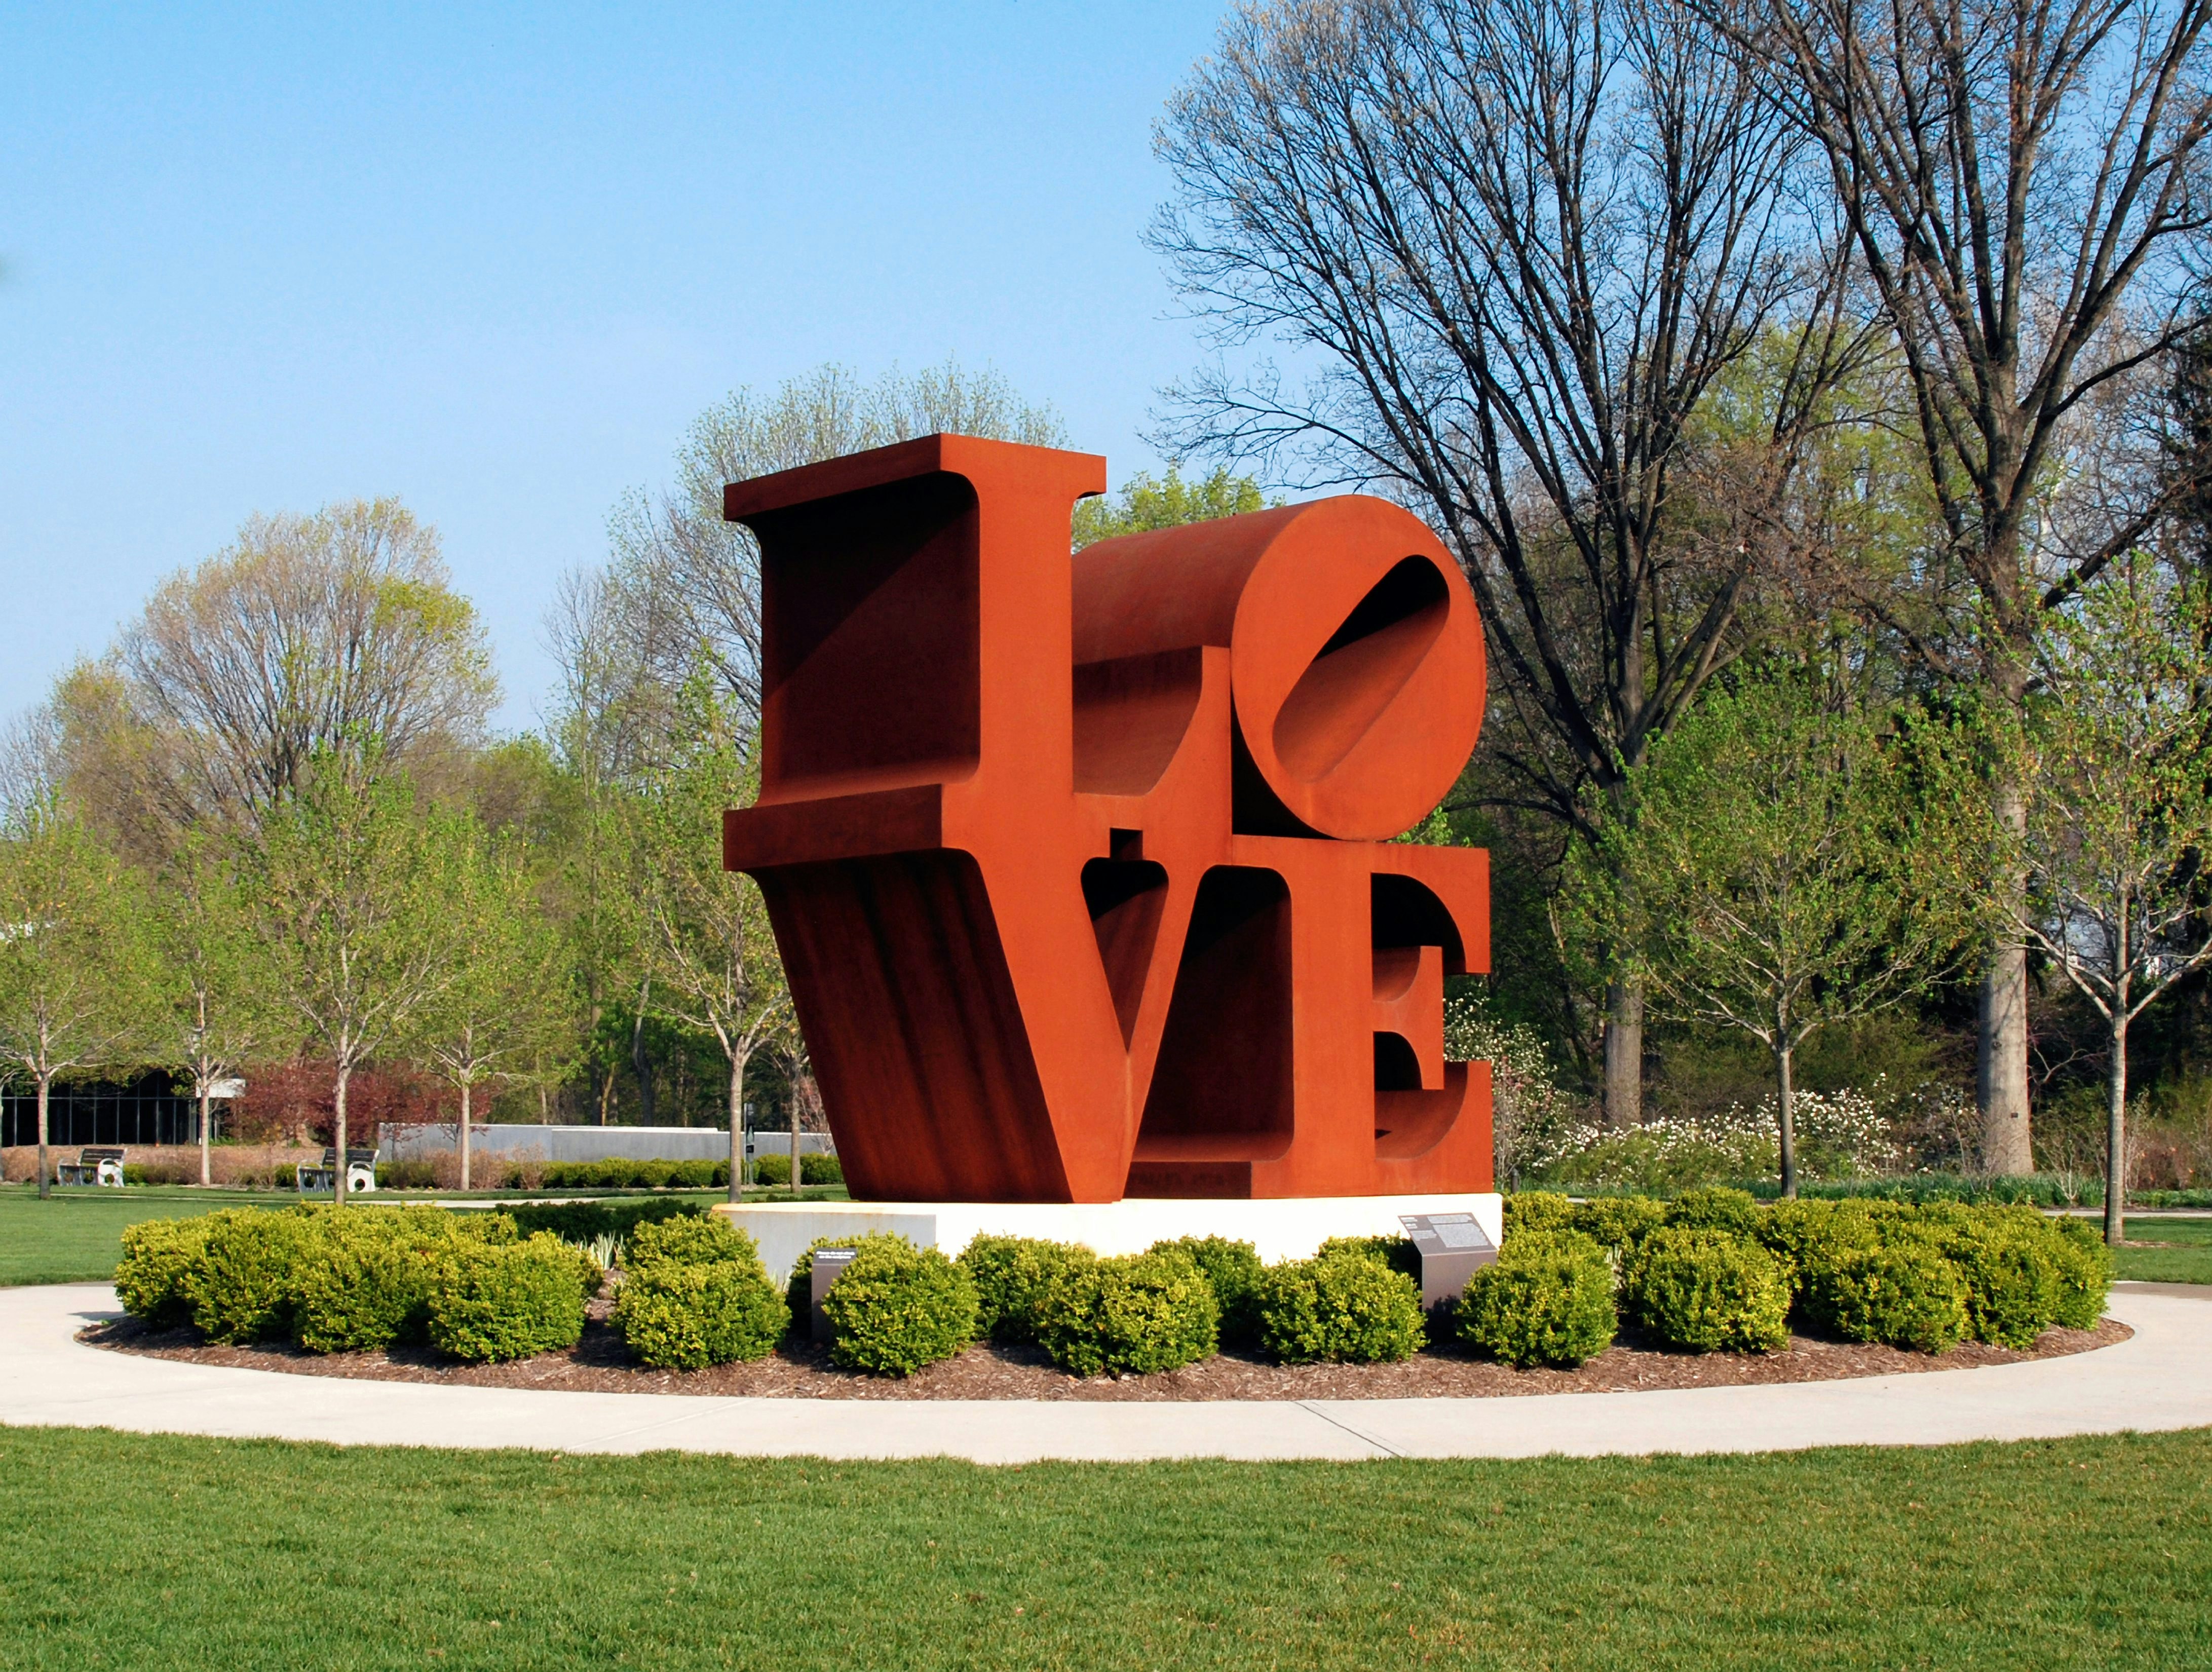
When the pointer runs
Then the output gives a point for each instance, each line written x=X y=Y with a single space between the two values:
x=146 y=1110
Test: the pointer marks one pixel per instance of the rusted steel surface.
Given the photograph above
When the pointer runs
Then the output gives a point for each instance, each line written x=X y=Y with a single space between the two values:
x=1078 y=866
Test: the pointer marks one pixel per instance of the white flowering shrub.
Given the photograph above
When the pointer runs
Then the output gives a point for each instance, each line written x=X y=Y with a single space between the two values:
x=1842 y=1134
x=1533 y=1121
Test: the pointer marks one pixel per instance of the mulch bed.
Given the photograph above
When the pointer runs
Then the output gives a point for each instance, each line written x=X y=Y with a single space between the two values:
x=801 y=1370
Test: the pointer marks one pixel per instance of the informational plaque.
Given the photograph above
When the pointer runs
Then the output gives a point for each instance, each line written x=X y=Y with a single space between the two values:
x=829 y=1265
x=1452 y=1246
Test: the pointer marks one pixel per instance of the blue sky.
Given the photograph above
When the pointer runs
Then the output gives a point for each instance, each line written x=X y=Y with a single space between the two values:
x=494 y=260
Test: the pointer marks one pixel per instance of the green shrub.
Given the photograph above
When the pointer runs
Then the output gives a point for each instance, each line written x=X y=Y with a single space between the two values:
x=1010 y=1275
x=1618 y=1223
x=1795 y=1232
x=1131 y=1316
x=241 y=1286
x=1547 y=1299
x=812 y=1170
x=1398 y=1253
x=406 y=1176
x=1901 y=1292
x=509 y=1300
x=2085 y=1273
x=1717 y=1207
x=2010 y=1269
x=695 y=1239
x=581 y=1221
x=898 y=1307
x=1706 y=1291
x=366 y=1275
x=158 y=1256
x=799 y=1287
x=677 y=1316
x=1537 y=1210
x=1234 y=1270
x=1340 y=1307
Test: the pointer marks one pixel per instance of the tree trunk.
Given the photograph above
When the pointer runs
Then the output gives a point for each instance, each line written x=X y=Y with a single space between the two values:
x=1624 y=1053
x=640 y=1065
x=339 y=1109
x=45 y=1172
x=2001 y=1066
x=465 y=1089
x=737 y=1129
x=1787 y=1106
x=206 y=1162
x=2116 y=1134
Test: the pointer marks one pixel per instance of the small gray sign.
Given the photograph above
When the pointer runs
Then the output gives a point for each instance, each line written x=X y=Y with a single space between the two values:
x=1452 y=1247
x=829 y=1265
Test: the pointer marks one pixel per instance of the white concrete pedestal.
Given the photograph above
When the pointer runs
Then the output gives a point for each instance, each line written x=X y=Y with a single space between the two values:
x=1288 y=1229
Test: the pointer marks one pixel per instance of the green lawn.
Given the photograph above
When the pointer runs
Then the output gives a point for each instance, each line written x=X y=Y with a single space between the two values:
x=155 y=1551
x=75 y=1237
x=2172 y=1252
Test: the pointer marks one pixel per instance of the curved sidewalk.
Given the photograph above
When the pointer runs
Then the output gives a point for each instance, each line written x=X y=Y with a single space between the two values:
x=2161 y=1379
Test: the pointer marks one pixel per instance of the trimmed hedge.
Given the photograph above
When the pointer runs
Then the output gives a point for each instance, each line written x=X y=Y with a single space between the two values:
x=511 y=1300
x=1618 y=1223
x=1547 y=1299
x=799 y=1287
x=581 y=1221
x=1398 y=1253
x=689 y=1239
x=242 y=1283
x=158 y=1256
x=2085 y=1273
x=897 y=1308
x=1705 y=1290
x=1341 y=1307
x=812 y=1170
x=675 y=1314
x=1011 y=1275
x=1716 y=1208
x=367 y=1278
x=1131 y=1316
x=1902 y=1292
x=1234 y=1270
x=2010 y=1269
x=1538 y=1210
x=625 y=1173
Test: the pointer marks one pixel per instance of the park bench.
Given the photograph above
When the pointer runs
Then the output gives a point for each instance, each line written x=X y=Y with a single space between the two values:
x=360 y=1172
x=92 y=1166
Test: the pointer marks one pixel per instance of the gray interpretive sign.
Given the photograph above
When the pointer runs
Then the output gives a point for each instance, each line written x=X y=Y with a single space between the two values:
x=1452 y=1246
x=829 y=1265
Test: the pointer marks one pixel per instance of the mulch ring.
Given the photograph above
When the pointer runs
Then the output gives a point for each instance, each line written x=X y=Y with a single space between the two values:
x=801 y=1370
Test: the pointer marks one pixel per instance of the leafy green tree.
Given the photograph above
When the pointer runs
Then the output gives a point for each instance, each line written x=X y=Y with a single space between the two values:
x=504 y=1013
x=221 y=1013
x=74 y=979
x=1144 y=504
x=2115 y=754
x=707 y=941
x=1784 y=872
x=348 y=888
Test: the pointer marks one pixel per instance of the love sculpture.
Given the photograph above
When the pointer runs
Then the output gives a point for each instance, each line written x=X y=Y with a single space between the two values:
x=1077 y=867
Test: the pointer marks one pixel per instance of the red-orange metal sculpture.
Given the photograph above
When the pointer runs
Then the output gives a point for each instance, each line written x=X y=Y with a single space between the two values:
x=1077 y=868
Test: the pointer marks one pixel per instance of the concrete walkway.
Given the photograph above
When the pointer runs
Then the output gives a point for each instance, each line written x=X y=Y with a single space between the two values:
x=2161 y=1379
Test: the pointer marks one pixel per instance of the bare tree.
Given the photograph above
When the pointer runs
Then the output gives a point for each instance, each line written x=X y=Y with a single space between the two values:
x=308 y=633
x=1516 y=243
x=2022 y=182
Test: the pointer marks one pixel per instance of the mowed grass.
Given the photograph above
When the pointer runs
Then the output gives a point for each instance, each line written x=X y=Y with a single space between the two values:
x=2166 y=1250
x=75 y=1237
x=163 y=1552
